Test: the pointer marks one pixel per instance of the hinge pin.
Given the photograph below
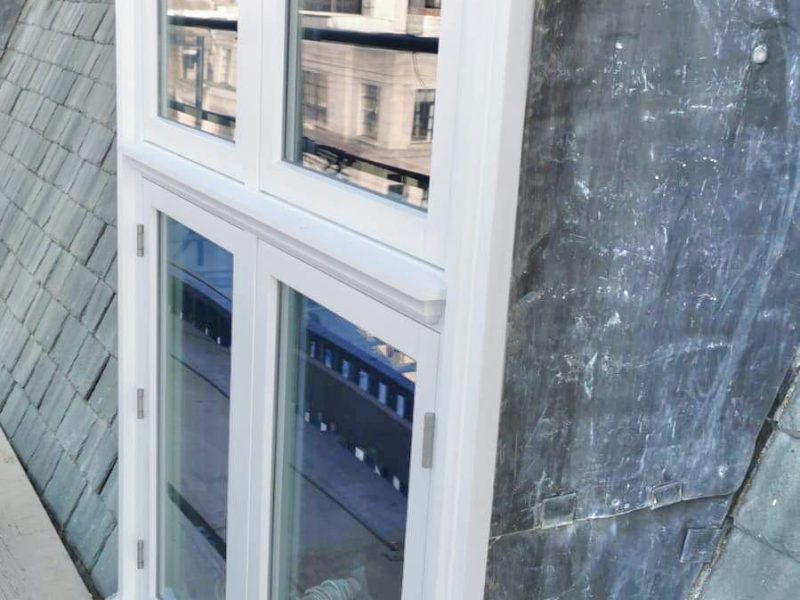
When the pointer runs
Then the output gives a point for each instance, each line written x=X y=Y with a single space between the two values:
x=140 y=554
x=140 y=240
x=428 y=431
x=140 y=403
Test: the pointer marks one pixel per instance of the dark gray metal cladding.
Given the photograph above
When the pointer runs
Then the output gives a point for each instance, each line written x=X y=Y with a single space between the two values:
x=623 y=558
x=654 y=304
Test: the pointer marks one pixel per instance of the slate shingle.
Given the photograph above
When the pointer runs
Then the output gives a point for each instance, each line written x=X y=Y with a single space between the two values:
x=57 y=266
x=44 y=460
x=88 y=365
x=13 y=411
x=89 y=528
x=65 y=487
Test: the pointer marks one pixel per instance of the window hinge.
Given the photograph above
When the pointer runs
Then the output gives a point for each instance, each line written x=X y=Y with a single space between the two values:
x=140 y=240
x=140 y=403
x=428 y=432
x=140 y=554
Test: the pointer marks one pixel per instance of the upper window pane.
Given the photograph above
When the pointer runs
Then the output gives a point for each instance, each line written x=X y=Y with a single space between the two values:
x=198 y=60
x=362 y=82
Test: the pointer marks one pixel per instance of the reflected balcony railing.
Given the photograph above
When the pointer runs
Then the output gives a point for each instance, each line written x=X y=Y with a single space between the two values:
x=196 y=109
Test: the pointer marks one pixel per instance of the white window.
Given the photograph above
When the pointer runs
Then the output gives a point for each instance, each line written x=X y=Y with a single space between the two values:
x=350 y=477
x=313 y=292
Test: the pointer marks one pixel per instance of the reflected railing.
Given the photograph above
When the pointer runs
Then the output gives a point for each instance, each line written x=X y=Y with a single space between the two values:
x=193 y=44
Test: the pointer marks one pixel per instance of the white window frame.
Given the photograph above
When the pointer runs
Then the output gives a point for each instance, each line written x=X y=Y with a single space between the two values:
x=412 y=338
x=415 y=232
x=235 y=158
x=158 y=201
x=467 y=261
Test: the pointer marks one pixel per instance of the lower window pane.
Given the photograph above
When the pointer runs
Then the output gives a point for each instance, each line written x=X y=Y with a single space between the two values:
x=196 y=280
x=343 y=452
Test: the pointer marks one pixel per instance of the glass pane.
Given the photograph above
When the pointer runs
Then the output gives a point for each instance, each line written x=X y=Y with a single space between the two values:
x=196 y=280
x=346 y=402
x=198 y=58
x=363 y=84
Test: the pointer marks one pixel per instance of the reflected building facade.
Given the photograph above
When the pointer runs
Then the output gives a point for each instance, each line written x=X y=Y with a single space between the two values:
x=362 y=95
x=366 y=90
x=199 y=79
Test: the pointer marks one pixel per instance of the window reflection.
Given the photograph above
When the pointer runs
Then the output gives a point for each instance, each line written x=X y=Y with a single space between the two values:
x=198 y=86
x=196 y=282
x=366 y=91
x=343 y=461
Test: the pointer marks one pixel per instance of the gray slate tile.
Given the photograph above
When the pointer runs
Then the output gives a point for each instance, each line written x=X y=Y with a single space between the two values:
x=88 y=365
x=13 y=411
x=45 y=458
x=749 y=570
x=75 y=427
x=104 y=573
x=773 y=498
x=28 y=436
x=89 y=527
x=65 y=487
x=69 y=343
x=39 y=382
x=58 y=398
x=104 y=396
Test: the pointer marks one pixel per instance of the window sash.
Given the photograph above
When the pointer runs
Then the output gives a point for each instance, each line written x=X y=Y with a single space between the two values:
x=234 y=157
x=259 y=271
x=383 y=219
x=243 y=248
x=277 y=269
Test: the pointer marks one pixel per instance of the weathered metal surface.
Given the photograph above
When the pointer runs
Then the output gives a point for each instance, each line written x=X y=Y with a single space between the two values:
x=601 y=559
x=654 y=304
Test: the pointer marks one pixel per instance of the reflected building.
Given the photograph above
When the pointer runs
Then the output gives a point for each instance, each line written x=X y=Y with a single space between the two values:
x=362 y=95
x=199 y=82
x=367 y=91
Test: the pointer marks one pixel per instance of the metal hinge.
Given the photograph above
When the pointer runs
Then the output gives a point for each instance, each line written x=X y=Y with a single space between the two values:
x=140 y=403
x=140 y=240
x=428 y=433
x=140 y=554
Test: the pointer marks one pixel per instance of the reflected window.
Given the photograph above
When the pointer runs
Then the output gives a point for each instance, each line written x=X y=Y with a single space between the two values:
x=195 y=286
x=371 y=101
x=315 y=98
x=198 y=64
x=340 y=6
x=423 y=116
x=378 y=61
x=345 y=406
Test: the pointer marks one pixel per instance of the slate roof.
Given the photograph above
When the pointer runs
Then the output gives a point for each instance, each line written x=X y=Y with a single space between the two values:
x=58 y=364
